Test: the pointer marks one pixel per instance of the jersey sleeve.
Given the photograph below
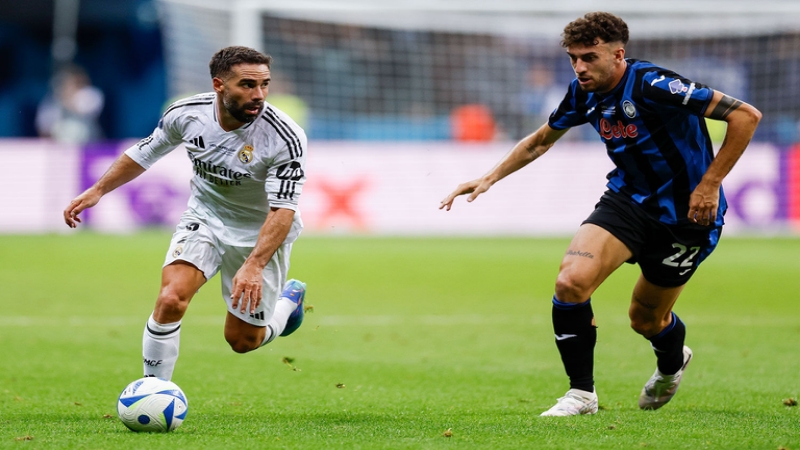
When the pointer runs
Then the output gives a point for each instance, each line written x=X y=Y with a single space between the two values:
x=165 y=138
x=572 y=110
x=287 y=174
x=667 y=88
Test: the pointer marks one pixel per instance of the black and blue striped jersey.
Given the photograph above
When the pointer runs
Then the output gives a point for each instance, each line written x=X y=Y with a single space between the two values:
x=653 y=127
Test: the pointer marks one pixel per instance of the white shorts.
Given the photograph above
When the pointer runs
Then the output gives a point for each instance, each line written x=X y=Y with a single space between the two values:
x=195 y=243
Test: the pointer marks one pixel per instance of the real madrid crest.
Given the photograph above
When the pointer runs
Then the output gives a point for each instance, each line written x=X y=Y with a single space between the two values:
x=246 y=154
x=629 y=109
x=177 y=252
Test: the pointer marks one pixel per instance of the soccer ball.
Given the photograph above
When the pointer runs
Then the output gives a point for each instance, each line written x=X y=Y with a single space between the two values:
x=152 y=404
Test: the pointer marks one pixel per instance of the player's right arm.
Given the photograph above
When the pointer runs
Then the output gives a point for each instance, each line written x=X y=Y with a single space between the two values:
x=123 y=170
x=526 y=151
x=132 y=163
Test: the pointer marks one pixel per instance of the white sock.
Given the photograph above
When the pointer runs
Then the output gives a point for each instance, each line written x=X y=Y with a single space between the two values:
x=160 y=345
x=283 y=309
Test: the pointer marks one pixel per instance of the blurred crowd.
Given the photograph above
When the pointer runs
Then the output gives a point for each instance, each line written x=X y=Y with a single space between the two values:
x=346 y=82
x=70 y=112
x=370 y=83
x=111 y=87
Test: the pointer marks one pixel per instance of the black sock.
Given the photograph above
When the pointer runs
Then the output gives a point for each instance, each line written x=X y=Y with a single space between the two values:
x=575 y=339
x=668 y=346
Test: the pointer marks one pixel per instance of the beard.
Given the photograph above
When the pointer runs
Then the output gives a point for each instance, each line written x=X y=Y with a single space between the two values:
x=239 y=112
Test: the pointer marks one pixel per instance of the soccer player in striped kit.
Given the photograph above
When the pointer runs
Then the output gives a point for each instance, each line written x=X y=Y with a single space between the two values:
x=663 y=208
x=249 y=160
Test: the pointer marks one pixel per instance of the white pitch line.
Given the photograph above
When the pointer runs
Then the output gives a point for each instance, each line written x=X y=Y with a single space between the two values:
x=343 y=320
x=332 y=320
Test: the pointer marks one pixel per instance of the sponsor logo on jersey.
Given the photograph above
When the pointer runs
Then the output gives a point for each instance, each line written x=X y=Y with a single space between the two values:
x=618 y=130
x=677 y=87
x=145 y=141
x=217 y=174
x=661 y=78
x=221 y=149
x=290 y=171
x=198 y=142
x=629 y=109
x=246 y=154
x=289 y=174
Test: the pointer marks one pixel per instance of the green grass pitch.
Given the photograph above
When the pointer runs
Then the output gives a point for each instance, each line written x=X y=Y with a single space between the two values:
x=413 y=343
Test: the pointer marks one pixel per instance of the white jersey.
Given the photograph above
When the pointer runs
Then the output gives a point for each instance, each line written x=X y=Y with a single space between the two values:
x=238 y=175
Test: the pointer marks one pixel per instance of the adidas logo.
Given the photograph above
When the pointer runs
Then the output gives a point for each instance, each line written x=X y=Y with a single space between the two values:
x=259 y=315
x=198 y=142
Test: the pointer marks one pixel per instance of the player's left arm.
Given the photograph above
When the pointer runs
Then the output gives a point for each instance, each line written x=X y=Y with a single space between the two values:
x=247 y=283
x=742 y=120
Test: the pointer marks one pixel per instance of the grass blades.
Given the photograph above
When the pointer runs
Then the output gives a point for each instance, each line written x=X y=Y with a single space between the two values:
x=412 y=343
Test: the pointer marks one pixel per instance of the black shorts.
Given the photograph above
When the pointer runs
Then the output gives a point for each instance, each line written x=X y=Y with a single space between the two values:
x=667 y=254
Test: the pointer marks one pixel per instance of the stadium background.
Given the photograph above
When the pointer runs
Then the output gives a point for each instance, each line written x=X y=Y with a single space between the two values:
x=401 y=102
x=414 y=342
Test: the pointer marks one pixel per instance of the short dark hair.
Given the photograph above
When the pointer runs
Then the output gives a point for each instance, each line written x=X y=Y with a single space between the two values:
x=593 y=26
x=223 y=61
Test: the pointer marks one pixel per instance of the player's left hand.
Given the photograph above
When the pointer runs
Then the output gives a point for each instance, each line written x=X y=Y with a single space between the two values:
x=703 y=204
x=247 y=287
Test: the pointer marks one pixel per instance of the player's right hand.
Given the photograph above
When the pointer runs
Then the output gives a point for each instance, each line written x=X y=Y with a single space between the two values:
x=474 y=188
x=86 y=200
x=246 y=287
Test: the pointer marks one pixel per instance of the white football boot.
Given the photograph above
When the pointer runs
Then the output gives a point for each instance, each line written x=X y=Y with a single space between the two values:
x=573 y=403
x=660 y=388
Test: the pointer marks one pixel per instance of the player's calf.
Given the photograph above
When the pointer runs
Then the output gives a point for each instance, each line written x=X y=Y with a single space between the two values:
x=244 y=337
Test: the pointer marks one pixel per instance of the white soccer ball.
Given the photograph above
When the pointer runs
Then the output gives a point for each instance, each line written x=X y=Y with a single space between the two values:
x=152 y=404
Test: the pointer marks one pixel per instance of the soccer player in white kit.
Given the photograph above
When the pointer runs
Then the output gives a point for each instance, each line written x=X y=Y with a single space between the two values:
x=242 y=218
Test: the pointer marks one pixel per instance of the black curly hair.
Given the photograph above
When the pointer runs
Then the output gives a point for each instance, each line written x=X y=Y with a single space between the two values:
x=593 y=26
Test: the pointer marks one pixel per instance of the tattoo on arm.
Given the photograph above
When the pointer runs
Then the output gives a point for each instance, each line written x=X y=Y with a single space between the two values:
x=537 y=150
x=534 y=151
x=725 y=106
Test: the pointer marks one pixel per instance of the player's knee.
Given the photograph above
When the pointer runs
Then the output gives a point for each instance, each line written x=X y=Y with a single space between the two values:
x=646 y=326
x=172 y=303
x=242 y=344
x=240 y=347
x=571 y=289
x=641 y=327
x=646 y=318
